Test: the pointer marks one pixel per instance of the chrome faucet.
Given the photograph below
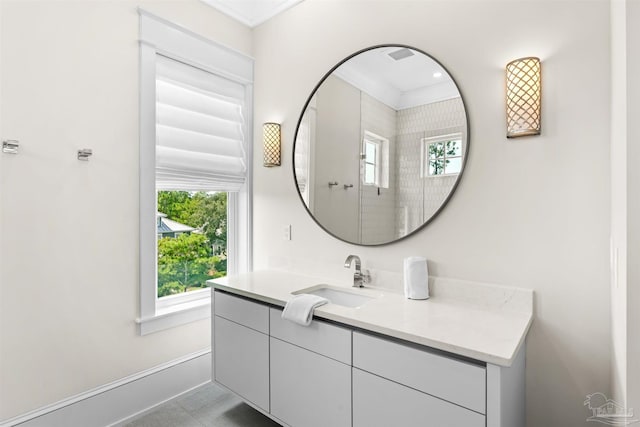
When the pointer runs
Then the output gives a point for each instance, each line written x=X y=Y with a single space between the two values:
x=359 y=277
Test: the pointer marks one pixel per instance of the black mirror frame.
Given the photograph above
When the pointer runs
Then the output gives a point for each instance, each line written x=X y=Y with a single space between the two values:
x=455 y=185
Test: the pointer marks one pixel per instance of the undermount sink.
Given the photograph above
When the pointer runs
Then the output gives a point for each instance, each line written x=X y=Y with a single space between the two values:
x=336 y=295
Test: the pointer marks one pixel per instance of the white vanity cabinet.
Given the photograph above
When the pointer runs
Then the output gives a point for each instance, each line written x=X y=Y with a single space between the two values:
x=395 y=383
x=378 y=402
x=331 y=374
x=310 y=373
x=241 y=348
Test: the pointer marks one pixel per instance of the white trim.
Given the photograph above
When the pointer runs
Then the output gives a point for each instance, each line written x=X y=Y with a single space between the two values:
x=175 y=315
x=244 y=236
x=390 y=96
x=148 y=203
x=183 y=44
x=381 y=164
x=249 y=17
x=117 y=402
x=424 y=153
x=194 y=296
x=158 y=36
x=232 y=233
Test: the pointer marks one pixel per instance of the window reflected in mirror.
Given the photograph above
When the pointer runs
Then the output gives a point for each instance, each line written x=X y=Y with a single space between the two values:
x=380 y=145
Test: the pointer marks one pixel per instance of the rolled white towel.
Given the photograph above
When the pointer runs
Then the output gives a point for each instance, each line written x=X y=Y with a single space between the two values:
x=299 y=309
x=416 y=278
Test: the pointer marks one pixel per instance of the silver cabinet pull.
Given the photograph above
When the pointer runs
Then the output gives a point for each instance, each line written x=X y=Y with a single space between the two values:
x=332 y=183
x=348 y=186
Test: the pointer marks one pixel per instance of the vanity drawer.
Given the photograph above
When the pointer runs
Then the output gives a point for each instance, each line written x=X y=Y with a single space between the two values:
x=453 y=380
x=250 y=314
x=373 y=398
x=320 y=337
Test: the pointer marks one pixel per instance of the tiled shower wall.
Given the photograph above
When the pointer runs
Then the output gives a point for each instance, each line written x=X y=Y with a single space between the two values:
x=419 y=198
x=377 y=205
x=388 y=213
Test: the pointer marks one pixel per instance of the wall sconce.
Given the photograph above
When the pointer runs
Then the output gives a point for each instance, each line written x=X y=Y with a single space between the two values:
x=523 y=97
x=271 y=143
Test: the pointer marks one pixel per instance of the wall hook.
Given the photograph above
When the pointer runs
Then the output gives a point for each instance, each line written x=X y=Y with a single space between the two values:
x=84 y=154
x=10 y=146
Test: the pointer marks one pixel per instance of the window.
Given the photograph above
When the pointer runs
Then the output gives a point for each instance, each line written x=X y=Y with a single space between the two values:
x=195 y=171
x=192 y=247
x=442 y=155
x=371 y=162
x=375 y=158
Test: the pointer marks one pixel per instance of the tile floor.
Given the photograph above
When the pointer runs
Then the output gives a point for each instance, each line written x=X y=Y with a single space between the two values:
x=208 y=406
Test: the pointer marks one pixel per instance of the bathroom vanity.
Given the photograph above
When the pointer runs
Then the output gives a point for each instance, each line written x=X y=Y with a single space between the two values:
x=372 y=168
x=452 y=360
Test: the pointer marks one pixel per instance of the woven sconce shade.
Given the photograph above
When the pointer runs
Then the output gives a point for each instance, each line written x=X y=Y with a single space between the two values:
x=523 y=97
x=271 y=142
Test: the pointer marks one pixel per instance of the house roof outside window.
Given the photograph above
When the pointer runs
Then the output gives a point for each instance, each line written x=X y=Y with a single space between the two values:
x=166 y=225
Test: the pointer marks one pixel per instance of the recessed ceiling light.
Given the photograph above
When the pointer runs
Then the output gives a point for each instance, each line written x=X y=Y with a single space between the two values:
x=437 y=74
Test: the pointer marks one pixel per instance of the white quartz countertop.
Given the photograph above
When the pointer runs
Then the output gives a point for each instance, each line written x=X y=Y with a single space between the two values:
x=487 y=324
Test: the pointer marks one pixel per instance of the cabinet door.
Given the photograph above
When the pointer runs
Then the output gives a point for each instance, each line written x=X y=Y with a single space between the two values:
x=378 y=402
x=241 y=361
x=307 y=389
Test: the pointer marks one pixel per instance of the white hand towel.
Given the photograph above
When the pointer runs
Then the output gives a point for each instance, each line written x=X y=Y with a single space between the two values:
x=299 y=309
x=416 y=278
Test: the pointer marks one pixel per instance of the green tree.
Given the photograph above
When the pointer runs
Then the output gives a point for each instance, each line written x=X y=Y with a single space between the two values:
x=204 y=211
x=211 y=214
x=170 y=288
x=184 y=262
x=177 y=205
x=437 y=155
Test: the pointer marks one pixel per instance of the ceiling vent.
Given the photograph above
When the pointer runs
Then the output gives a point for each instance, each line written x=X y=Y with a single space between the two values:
x=399 y=54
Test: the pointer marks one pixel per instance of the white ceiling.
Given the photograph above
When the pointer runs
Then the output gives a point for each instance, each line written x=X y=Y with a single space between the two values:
x=400 y=84
x=252 y=12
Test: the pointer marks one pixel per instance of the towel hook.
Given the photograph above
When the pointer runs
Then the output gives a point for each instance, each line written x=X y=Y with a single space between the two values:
x=84 y=154
x=10 y=146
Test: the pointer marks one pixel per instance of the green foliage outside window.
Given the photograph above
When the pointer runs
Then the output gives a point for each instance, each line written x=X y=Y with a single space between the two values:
x=438 y=153
x=186 y=262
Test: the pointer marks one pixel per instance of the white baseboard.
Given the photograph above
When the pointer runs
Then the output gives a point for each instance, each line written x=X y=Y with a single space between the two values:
x=115 y=403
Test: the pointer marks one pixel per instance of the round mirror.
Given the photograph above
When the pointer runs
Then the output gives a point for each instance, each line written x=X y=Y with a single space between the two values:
x=380 y=145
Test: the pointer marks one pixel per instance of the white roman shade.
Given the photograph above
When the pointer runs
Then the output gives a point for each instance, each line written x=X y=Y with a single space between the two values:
x=200 y=129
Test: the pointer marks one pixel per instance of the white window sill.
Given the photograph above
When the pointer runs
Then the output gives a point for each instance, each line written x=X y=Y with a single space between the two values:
x=442 y=175
x=175 y=315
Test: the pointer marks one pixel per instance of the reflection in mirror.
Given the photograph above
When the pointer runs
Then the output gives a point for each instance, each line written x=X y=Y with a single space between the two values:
x=380 y=145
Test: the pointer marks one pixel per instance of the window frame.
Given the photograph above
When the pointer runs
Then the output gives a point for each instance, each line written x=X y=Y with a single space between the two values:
x=375 y=163
x=161 y=37
x=426 y=142
x=381 y=168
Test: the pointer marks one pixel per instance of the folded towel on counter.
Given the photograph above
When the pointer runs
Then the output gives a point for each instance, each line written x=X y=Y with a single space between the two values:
x=299 y=309
x=416 y=278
